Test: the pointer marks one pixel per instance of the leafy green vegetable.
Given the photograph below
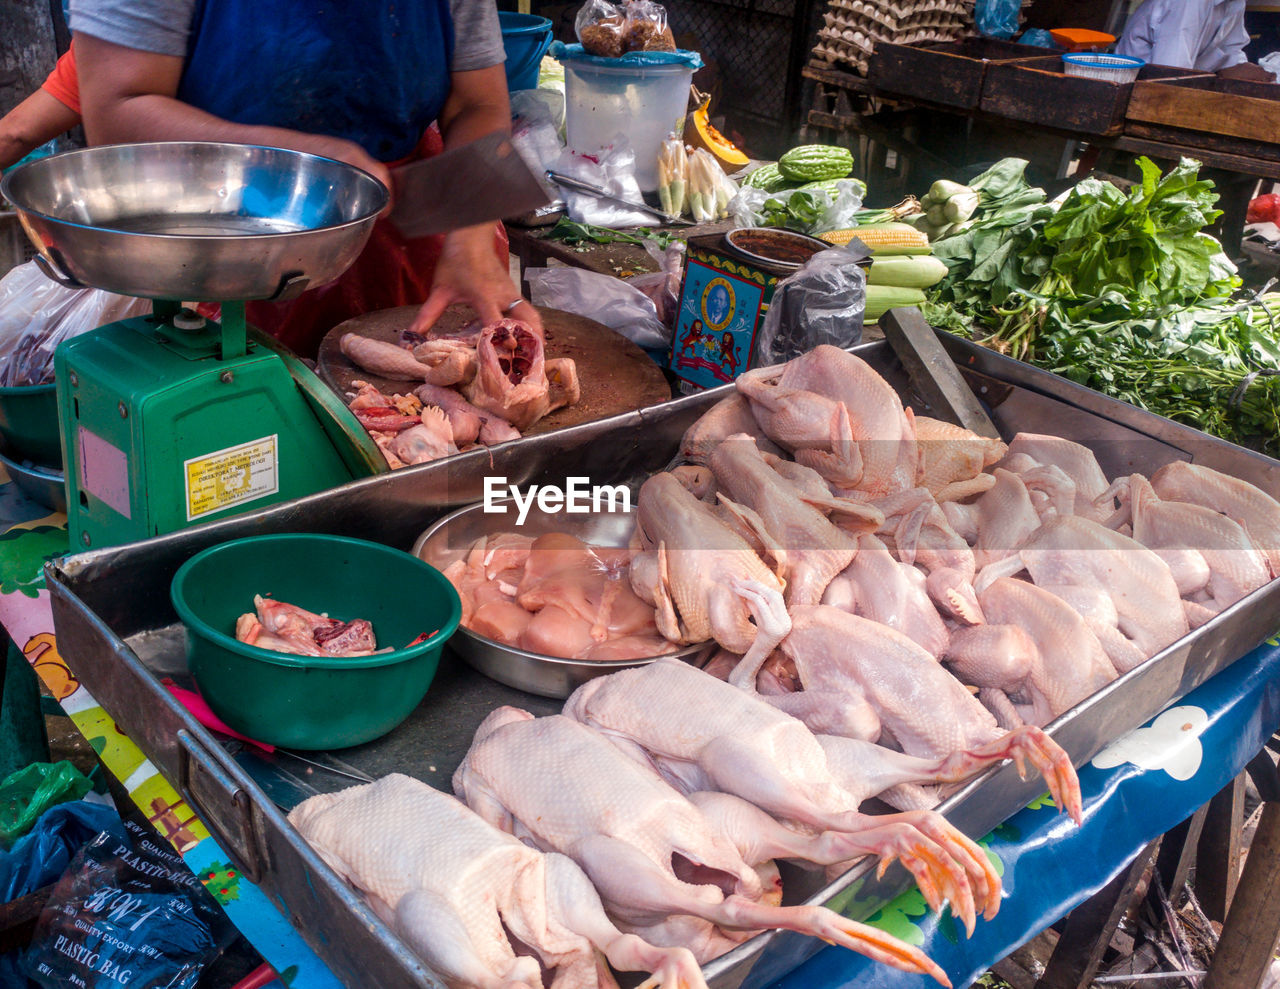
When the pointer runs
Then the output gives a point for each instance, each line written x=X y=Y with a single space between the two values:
x=573 y=232
x=1121 y=292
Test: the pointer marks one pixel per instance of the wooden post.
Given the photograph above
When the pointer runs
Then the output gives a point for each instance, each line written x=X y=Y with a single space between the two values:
x=1178 y=851
x=1218 y=852
x=1252 y=927
x=1090 y=927
x=27 y=50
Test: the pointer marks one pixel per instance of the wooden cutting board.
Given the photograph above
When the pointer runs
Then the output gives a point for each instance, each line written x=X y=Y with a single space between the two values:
x=614 y=374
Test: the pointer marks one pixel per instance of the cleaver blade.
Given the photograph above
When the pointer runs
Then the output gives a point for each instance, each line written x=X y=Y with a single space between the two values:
x=479 y=182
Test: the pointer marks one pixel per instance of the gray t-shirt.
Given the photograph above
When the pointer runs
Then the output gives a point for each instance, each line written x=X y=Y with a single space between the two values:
x=163 y=26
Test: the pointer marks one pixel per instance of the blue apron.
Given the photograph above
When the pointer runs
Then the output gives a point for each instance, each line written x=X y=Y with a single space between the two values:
x=373 y=71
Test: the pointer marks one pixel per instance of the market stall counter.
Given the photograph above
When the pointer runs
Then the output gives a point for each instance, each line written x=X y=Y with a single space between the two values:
x=120 y=639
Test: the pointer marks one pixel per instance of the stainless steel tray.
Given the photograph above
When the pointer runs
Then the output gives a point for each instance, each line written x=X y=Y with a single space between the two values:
x=112 y=614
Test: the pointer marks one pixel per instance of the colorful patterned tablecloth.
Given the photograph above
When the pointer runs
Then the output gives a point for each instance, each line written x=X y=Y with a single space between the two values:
x=1134 y=790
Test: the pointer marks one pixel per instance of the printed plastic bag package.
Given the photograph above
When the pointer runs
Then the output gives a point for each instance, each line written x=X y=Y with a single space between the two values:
x=37 y=314
x=125 y=914
x=614 y=171
x=29 y=792
x=823 y=302
x=608 y=300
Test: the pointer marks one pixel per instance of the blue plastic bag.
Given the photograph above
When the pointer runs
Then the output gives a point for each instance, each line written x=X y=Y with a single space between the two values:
x=997 y=18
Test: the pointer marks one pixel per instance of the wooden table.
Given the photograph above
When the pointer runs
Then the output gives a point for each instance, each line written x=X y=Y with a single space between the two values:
x=842 y=100
x=535 y=249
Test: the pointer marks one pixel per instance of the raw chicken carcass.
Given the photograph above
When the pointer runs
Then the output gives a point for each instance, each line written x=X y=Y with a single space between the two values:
x=655 y=858
x=383 y=359
x=448 y=361
x=1075 y=461
x=460 y=892
x=512 y=375
x=952 y=459
x=871 y=447
x=1212 y=558
x=1097 y=571
x=728 y=416
x=928 y=712
x=998 y=522
x=878 y=587
x=703 y=734
x=703 y=579
x=922 y=536
x=1242 y=502
x=1065 y=662
x=812 y=549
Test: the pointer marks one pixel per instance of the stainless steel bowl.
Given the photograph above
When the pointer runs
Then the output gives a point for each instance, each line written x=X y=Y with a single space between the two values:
x=547 y=676
x=195 y=221
x=43 y=485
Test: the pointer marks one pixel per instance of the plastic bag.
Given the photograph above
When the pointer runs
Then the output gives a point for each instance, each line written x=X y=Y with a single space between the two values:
x=663 y=286
x=673 y=174
x=600 y=27
x=535 y=133
x=708 y=190
x=645 y=28
x=617 y=304
x=37 y=314
x=823 y=302
x=810 y=211
x=29 y=792
x=125 y=913
x=613 y=170
x=997 y=18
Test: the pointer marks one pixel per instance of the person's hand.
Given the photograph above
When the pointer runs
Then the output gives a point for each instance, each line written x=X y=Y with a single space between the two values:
x=469 y=271
x=341 y=149
x=1246 y=72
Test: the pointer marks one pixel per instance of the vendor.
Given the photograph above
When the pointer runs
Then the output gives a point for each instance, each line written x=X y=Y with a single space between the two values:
x=51 y=110
x=1207 y=35
x=360 y=81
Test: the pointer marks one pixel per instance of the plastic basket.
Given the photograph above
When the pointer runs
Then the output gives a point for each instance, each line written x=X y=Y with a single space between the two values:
x=1106 y=67
x=526 y=38
x=15 y=247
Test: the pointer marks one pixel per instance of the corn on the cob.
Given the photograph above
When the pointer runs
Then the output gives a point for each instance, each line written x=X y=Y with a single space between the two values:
x=882 y=238
x=906 y=272
x=882 y=298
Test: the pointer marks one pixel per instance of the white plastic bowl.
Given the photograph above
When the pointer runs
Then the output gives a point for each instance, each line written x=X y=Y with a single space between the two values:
x=1103 y=66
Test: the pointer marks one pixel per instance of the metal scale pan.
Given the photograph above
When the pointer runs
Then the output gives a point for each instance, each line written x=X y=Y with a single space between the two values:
x=170 y=419
x=194 y=221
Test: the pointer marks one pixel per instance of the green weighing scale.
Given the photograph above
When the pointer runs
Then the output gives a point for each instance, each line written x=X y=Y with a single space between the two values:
x=171 y=419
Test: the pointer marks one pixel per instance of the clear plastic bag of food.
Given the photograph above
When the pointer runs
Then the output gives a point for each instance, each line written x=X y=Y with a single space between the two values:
x=601 y=27
x=37 y=314
x=673 y=175
x=645 y=28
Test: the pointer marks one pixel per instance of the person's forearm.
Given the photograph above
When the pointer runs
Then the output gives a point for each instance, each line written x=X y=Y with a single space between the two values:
x=477 y=105
x=151 y=117
x=36 y=120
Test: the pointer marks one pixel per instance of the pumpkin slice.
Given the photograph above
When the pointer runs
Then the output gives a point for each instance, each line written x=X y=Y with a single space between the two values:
x=699 y=133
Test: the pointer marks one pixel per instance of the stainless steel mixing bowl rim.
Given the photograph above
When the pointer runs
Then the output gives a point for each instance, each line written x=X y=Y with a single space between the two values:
x=380 y=205
x=603 y=664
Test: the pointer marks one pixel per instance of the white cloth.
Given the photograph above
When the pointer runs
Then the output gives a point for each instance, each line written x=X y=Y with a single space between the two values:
x=1207 y=35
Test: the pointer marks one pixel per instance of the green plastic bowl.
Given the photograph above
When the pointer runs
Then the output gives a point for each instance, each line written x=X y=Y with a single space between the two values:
x=29 y=424
x=307 y=702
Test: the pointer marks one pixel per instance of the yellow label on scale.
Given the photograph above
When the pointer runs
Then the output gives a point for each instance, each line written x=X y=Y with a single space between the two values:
x=232 y=476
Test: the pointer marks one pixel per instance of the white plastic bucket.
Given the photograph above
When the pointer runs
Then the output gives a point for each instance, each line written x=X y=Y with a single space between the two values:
x=644 y=102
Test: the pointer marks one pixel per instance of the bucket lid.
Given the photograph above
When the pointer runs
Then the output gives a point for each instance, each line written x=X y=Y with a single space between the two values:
x=576 y=53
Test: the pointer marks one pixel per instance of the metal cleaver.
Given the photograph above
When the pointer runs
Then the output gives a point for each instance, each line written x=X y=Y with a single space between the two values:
x=479 y=182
